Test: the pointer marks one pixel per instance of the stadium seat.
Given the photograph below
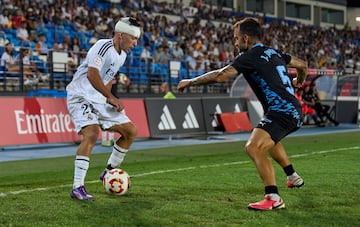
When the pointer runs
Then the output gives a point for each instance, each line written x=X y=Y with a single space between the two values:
x=143 y=70
x=134 y=74
x=137 y=51
x=135 y=62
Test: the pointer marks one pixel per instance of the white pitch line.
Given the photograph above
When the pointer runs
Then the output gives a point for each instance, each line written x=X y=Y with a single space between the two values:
x=4 y=194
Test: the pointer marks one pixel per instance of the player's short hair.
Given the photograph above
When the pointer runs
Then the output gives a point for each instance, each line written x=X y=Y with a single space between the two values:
x=128 y=25
x=249 y=26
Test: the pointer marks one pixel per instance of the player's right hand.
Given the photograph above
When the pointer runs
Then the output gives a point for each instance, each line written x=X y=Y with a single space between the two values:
x=116 y=103
x=183 y=84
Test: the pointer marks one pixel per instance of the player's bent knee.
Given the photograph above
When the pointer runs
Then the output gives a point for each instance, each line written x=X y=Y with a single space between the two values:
x=90 y=133
x=129 y=132
x=248 y=149
x=132 y=132
x=252 y=149
x=91 y=136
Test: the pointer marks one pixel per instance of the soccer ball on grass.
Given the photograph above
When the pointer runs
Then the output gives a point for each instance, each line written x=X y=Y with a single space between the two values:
x=116 y=182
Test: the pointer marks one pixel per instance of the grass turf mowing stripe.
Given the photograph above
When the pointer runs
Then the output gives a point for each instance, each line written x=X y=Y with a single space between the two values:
x=4 y=194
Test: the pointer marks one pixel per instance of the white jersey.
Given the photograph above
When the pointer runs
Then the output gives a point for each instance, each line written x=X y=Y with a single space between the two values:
x=7 y=59
x=102 y=56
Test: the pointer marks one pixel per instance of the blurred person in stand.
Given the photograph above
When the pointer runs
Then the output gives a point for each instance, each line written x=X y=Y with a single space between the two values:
x=8 y=60
x=223 y=55
x=57 y=17
x=95 y=37
x=321 y=109
x=167 y=55
x=29 y=68
x=101 y=26
x=213 y=62
x=22 y=33
x=41 y=45
x=5 y=19
x=307 y=110
x=312 y=100
x=159 y=55
x=12 y=64
x=32 y=20
x=8 y=4
x=190 y=59
x=75 y=45
x=17 y=19
x=74 y=48
x=166 y=91
x=178 y=52
x=145 y=55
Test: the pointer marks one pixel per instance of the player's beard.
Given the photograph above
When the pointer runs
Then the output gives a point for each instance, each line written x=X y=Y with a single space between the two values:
x=243 y=48
x=240 y=49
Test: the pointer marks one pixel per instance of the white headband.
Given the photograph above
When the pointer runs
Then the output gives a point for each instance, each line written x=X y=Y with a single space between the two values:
x=125 y=26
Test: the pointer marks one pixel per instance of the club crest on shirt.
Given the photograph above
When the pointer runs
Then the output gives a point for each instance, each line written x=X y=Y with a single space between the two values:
x=97 y=60
x=90 y=117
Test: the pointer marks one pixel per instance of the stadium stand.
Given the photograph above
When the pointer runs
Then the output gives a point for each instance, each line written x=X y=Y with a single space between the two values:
x=204 y=31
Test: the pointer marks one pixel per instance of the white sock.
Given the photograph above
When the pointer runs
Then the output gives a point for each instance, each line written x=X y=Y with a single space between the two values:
x=117 y=156
x=111 y=136
x=275 y=196
x=103 y=136
x=292 y=176
x=107 y=136
x=81 y=167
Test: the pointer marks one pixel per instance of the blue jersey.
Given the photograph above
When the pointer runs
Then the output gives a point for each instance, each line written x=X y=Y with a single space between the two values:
x=265 y=70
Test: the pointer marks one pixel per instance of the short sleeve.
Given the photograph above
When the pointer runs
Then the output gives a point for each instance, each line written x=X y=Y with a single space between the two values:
x=94 y=59
x=243 y=63
x=287 y=58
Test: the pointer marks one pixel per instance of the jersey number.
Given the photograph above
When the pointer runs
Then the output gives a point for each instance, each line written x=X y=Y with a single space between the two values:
x=285 y=78
x=88 y=108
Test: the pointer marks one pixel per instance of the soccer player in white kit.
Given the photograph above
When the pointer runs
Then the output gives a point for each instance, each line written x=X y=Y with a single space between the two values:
x=92 y=105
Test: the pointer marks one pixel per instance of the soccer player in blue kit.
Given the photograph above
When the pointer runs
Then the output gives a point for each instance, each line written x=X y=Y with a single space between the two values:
x=265 y=69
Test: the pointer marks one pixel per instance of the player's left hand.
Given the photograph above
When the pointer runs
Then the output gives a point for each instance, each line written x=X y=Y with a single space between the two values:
x=295 y=83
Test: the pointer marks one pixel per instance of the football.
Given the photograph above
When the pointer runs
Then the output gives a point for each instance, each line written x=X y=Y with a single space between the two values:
x=123 y=79
x=116 y=182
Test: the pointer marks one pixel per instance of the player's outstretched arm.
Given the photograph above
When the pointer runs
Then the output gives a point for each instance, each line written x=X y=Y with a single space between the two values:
x=301 y=68
x=215 y=76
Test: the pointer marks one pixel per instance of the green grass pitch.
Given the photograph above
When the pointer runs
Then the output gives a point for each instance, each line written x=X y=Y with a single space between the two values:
x=197 y=185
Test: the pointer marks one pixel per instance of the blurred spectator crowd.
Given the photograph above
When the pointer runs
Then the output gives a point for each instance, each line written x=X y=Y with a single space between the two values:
x=201 y=35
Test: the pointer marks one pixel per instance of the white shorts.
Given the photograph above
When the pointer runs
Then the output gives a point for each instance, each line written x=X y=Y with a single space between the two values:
x=84 y=112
